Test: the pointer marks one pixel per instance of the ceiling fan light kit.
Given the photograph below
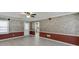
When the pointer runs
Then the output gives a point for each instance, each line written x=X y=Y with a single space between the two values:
x=28 y=16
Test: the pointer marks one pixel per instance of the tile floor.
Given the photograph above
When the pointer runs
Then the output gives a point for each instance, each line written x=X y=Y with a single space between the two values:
x=31 y=41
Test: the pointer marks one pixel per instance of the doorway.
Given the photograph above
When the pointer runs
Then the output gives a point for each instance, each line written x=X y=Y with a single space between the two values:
x=37 y=30
x=26 y=28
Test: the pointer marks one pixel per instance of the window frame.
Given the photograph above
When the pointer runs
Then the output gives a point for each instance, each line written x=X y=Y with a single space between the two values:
x=7 y=27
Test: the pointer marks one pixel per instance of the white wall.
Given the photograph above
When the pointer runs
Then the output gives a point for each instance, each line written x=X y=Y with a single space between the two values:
x=16 y=25
x=68 y=24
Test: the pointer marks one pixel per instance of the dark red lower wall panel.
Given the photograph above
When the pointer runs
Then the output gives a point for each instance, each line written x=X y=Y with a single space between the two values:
x=59 y=37
x=10 y=35
x=32 y=32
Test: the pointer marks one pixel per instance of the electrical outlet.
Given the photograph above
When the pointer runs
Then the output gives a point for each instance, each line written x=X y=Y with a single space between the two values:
x=48 y=35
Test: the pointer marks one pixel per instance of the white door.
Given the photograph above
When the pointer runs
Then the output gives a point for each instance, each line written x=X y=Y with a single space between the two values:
x=26 y=29
x=37 y=29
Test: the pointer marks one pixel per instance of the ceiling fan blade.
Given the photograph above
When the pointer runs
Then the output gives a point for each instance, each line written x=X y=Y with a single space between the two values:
x=33 y=14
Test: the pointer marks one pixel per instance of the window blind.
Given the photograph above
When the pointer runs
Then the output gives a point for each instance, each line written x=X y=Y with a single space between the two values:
x=4 y=26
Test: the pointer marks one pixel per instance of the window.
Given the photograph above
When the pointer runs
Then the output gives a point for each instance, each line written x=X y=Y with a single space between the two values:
x=4 y=26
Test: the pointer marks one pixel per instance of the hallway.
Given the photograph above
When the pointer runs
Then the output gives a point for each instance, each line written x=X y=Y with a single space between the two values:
x=31 y=41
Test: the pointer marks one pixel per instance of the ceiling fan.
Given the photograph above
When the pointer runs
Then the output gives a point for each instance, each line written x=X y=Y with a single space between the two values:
x=30 y=14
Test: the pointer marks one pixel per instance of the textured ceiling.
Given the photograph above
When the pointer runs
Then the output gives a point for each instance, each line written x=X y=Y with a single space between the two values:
x=39 y=16
x=45 y=15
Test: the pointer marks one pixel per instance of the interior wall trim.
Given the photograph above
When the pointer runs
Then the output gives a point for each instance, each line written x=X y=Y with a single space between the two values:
x=59 y=41
x=11 y=35
x=60 y=33
x=11 y=38
x=64 y=38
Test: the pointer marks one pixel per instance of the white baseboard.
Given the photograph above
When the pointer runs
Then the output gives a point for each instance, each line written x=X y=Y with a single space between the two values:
x=40 y=37
x=11 y=38
x=59 y=41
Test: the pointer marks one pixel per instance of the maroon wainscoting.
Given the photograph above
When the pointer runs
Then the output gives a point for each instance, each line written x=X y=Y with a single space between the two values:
x=10 y=35
x=32 y=32
x=59 y=37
